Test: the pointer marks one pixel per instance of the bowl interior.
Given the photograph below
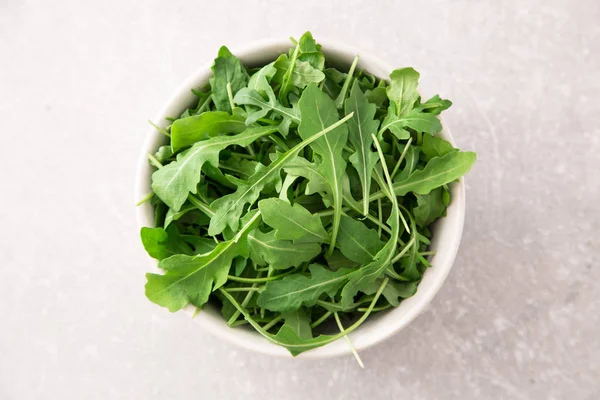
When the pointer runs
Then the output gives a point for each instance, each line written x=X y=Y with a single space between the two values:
x=446 y=231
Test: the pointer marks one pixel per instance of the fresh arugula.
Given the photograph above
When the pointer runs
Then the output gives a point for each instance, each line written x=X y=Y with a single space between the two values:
x=299 y=196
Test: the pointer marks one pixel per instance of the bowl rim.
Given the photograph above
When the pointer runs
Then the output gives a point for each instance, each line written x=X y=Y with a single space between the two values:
x=378 y=327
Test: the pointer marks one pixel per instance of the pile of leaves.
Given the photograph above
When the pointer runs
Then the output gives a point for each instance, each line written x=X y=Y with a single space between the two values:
x=298 y=198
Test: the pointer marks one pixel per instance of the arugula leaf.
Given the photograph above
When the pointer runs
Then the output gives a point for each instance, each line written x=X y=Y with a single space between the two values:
x=430 y=207
x=360 y=129
x=230 y=207
x=402 y=90
x=226 y=69
x=259 y=81
x=251 y=97
x=187 y=131
x=292 y=222
x=318 y=110
x=438 y=171
x=175 y=181
x=161 y=243
x=293 y=291
x=357 y=242
x=190 y=279
x=266 y=249
x=435 y=105
x=435 y=146
x=414 y=119
x=365 y=276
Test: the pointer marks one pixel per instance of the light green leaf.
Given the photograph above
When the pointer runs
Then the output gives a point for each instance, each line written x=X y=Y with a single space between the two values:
x=160 y=243
x=299 y=322
x=187 y=131
x=318 y=111
x=259 y=81
x=414 y=119
x=435 y=105
x=265 y=249
x=253 y=98
x=437 y=172
x=226 y=69
x=435 y=146
x=292 y=222
x=357 y=242
x=360 y=129
x=175 y=181
x=402 y=90
x=430 y=207
x=293 y=291
x=191 y=279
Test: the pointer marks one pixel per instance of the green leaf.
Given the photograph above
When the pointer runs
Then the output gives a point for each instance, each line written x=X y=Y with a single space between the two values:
x=187 y=131
x=163 y=153
x=251 y=97
x=229 y=208
x=259 y=81
x=299 y=322
x=435 y=105
x=160 y=243
x=292 y=222
x=414 y=119
x=265 y=249
x=318 y=111
x=430 y=207
x=293 y=291
x=191 y=279
x=300 y=166
x=402 y=90
x=175 y=181
x=226 y=69
x=435 y=146
x=437 y=172
x=411 y=160
x=360 y=129
x=357 y=242
x=366 y=275
x=201 y=245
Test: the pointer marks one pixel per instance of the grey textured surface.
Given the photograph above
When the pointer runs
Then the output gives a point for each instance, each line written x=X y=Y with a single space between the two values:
x=519 y=317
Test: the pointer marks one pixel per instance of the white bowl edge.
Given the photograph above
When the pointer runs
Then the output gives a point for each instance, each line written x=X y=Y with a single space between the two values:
x=447 y=231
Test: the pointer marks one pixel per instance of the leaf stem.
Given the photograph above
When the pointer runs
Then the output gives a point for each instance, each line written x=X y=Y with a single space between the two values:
x=272 y=322
x=145 y=199
x=322 y=319
x=154 y=161
x=244 y=289
x=230 y=96
x=339 y=101
x=259 y=280
x=406 y=146
x=161 y=130
x=205 y=208
x=352 y=349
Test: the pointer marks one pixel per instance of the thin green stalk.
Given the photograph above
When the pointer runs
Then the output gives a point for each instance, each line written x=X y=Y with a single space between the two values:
x=242 y=155
x=243 y=289
x=379 y=216
x=322 y=319
x=145 y=199
x=275 y=139
x=352 y=349
x=375 y=309
x=404 y=250
x=401 y=158
x=379 y=179
x=245 y=302
x=238 y=323
x=154 y=161
x=205 y=208
x=230 y=96
x=260 y=280
x=272 y=323
x=204 y=105
x=339 y=101
x=161 y=130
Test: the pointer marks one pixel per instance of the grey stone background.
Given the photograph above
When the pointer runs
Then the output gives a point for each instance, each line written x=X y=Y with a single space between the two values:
x=519 y=317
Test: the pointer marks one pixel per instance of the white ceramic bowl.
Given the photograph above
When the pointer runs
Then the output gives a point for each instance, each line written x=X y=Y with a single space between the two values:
x=446 y=232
